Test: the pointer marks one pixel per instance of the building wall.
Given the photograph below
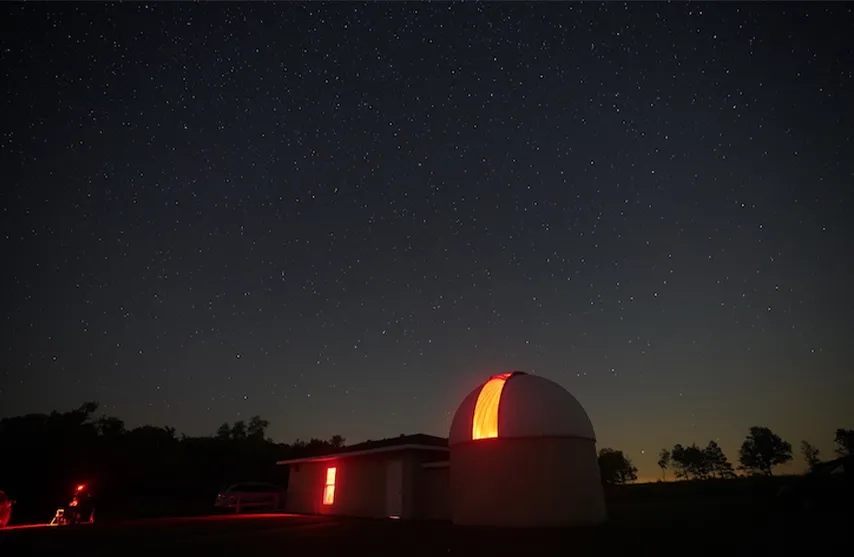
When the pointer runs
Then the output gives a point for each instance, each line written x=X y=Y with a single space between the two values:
x=360 y=488
x=548 y=481
x=433 y=497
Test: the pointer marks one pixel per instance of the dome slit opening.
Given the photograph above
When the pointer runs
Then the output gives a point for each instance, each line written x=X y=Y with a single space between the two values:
x=485 y=419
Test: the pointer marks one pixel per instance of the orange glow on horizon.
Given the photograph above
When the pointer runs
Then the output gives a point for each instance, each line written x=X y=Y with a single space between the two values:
x=329 y=487
x=484 y=424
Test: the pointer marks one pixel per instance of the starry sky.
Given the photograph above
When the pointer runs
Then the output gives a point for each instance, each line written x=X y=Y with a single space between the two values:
x=344 y=216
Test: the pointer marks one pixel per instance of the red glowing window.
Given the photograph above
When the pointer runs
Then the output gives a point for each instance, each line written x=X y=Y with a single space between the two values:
x=329 y=487
x=484 y=424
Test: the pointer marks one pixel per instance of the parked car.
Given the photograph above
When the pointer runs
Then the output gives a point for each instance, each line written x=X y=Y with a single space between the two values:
x=5 y=509
x=250 y=495
x=829 y=487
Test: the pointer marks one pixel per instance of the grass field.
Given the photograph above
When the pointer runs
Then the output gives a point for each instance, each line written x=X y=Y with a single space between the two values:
x=655 y=520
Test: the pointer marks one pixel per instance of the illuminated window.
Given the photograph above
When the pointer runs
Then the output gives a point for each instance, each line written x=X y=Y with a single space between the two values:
x=484 y=424
x=329 y=487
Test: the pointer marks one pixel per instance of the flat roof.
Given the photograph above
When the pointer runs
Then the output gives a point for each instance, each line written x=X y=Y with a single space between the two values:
x=378 y=450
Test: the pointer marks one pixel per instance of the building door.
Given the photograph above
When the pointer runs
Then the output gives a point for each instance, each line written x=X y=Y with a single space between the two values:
x=394 y=488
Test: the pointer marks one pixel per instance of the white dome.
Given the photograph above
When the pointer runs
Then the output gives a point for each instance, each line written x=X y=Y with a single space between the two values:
x=523 y=405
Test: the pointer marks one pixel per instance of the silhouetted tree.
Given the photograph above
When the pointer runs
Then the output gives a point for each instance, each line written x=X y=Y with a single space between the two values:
x=616 y=468
x=762 y=450
x=690 y=462
x=257 y=428
x=85 y=412
x=109 y=426
x=716 y=462
x=679 y=462
x=152 y=435
x=298 y=445
x=316 y=446
x=336 y=442
x=664 y=462
x=238 y=430
x=844 y=440
x=224 y=432
x=810 y=454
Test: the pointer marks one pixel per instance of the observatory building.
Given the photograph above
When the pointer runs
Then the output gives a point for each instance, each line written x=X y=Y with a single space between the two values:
x=521 y=452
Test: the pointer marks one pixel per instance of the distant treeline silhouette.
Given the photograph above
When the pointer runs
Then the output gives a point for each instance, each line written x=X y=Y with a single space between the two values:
x=760 y=452
x=45 y=455
x=153 y=470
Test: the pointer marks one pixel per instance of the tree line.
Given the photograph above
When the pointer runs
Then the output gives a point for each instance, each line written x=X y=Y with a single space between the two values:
x=760 y=452
x=43 y=455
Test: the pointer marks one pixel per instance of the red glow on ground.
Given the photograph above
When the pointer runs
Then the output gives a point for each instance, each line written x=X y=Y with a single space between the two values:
x=484 y=423
x=173 y=520
x=24 y=527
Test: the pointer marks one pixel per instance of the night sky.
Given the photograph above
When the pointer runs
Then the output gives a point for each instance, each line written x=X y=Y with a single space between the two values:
x=343 y=217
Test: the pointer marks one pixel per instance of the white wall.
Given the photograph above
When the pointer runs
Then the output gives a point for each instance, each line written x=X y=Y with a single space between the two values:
x=547 y=481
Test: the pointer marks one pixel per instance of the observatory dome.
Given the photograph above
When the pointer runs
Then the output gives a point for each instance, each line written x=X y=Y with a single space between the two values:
x=517 y=405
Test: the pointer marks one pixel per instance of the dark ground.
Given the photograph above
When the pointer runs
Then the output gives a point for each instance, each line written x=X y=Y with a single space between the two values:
x=644 y=522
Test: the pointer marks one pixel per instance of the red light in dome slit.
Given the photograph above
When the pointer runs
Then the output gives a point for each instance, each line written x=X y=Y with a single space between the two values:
x=484 y=424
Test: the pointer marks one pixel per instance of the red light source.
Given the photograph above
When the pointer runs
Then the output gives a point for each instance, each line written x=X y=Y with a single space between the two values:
x=329 y=487
x=80 y=487
x=484 y=424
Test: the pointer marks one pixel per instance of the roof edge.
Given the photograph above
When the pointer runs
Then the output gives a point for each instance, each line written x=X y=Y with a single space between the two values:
x=521 y=438
x=378 y=450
